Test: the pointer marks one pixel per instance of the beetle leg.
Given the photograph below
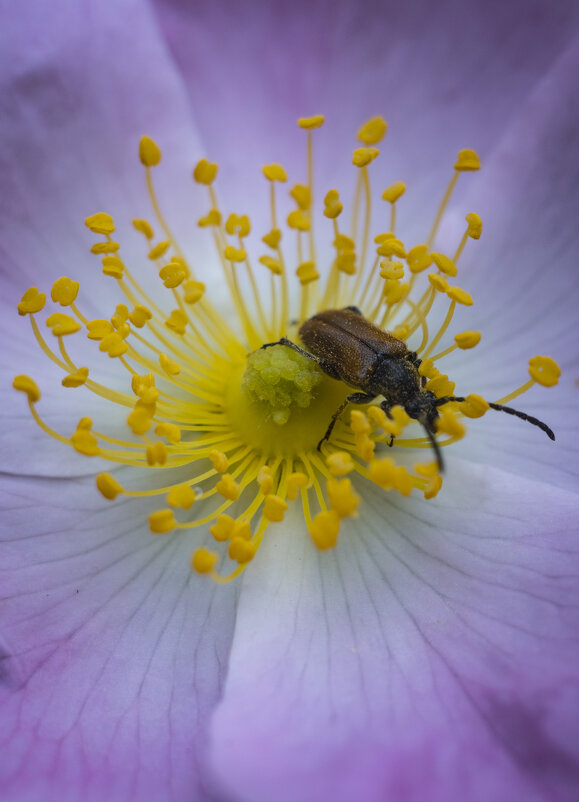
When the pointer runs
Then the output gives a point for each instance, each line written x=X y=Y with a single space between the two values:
x=385 y=407
x=353 y=398
x=285 y=341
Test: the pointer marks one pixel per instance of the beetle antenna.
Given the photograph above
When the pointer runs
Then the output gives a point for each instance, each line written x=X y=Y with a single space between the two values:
x=509 y=410
x=435 y=447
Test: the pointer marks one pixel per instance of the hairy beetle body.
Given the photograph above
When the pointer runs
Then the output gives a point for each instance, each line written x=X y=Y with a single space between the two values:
x=350 y=348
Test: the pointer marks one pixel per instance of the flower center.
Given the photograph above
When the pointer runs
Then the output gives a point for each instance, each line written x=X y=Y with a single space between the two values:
x=281 y=402
x=249 y=430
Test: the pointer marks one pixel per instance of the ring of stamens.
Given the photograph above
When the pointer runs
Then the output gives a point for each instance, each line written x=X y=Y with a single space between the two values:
x=242 y=425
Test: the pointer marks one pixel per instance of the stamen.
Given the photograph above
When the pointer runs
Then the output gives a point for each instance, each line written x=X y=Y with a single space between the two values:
x=254 y=427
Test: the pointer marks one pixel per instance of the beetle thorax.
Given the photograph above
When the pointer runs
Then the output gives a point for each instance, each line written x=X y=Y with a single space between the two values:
x=396 y=379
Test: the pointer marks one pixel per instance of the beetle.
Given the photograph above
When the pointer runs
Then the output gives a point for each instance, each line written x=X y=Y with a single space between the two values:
x=350 y=348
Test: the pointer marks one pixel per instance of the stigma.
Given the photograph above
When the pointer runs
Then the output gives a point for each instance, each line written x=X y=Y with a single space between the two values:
x=239 y=430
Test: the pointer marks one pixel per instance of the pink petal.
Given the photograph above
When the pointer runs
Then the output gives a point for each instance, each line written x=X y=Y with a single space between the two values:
x=432 y=655
x=112 y=651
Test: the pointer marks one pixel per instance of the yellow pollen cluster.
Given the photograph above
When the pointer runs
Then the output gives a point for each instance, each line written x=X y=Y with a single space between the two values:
x=242 y=430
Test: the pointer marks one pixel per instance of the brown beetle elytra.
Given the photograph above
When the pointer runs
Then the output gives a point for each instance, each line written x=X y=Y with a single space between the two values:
x=348 y=347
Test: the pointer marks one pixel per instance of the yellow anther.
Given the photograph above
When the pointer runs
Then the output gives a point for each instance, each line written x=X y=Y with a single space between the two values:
x=392 y=247
x=345 y=262
x=395 y=191
x=342 y=497
x=182 y=496
x=223 y=528
x=474 y=230
x=359 y=422
x=241 y=550
x=401 y=417
x=460 y=296
x=448 y=423
x=382 y=472
x=427 y=369
x=84 y=423
x=100 y=223
x=273 y=238
x=340 y=463
x=344 y=243
x=85 y=442
x=32 y=301
x=159 y=250
x=98 y=329
x=108 y=486
x=75 y=379
x=234 y=254
x=113 y=344
x=295 y=482
x=104 y=247
x=149 y=152
x=162 y=521
x=172 y=275
x=272 y=264
x=544 y=370
x=467 y=339
x=402 y=481
x=139 y=420
x=219 y=460
x=238 y=224
x=324 y=529
x=467 y=160
x=177 y=321
x=365 y=447
x=306 y=272
x=373 y=131
x=228 y=487
x=444 y=264
x=395 y=291
x=169 y=430
x=156 y=454
x=113 y=266
x=274 y=508
x=120 y=316
x=144 y=227
x=64 y=291
x=332 y=205
x=203 y=560
x=140 y=384
x=25 y=384
x=386 y=235
x=392 y=270
x=298 y=220
x=401 y=331
x=426 y=469
x=438 y=282
x=433 y=486
x=311 y=122
x=241 y=529
x=212 y=218
x=441 y=386
x=139 y=316
x=274 y=172
x=363 y=156
x=169 y=365
x=193 y=291
x=474 y=406
x=205 y=172
x=302 y=196
x=61 y=325
x=377 y=416
x=265 y=480
x=418 y=258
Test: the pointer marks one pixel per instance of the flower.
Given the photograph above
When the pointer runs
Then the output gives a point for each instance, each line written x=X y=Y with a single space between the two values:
x=436 y=636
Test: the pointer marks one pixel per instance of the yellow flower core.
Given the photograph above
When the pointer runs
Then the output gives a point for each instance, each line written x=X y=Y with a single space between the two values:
x=239 y=426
